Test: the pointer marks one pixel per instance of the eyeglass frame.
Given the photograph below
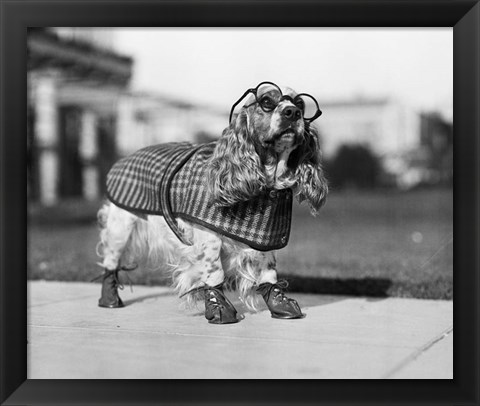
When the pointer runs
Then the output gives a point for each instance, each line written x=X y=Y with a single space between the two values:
x=254 y=91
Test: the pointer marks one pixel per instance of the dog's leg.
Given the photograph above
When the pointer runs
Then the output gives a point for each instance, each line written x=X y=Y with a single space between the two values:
x=280 y=306
x=117 y=225
x=267 y=266
x=210 y=276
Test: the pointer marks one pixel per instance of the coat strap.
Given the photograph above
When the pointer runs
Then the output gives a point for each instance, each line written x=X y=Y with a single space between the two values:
x=176 y=162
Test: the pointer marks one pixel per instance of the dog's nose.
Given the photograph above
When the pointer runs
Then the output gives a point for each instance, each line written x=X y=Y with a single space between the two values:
x=292 y=113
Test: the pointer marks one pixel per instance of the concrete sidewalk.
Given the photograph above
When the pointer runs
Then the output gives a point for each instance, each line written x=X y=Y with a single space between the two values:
x=70 y=337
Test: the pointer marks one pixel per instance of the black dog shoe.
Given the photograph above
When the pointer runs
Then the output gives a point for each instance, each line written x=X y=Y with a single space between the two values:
x=280 y=305
x=110 y=285
x=218 y=309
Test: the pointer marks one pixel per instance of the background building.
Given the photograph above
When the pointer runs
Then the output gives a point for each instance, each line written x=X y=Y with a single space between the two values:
x=385 y=125
x=75 y=80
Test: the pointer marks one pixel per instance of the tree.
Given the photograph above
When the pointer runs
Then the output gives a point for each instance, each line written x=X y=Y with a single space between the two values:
x=354 y=166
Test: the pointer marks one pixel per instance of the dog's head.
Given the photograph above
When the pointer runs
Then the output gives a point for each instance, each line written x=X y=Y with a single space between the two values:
x=270 y=143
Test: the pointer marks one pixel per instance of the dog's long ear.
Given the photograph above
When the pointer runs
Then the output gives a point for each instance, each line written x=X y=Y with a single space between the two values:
x=311 y=183
x=234 y=173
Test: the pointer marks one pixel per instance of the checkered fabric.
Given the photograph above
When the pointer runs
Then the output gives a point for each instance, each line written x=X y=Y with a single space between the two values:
x=170 y=179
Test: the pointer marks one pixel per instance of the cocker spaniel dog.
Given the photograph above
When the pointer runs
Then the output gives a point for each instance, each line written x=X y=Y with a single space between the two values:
x=212 y=215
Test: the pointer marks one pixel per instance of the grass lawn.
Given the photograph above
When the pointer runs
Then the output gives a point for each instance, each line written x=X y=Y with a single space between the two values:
x=376 y=244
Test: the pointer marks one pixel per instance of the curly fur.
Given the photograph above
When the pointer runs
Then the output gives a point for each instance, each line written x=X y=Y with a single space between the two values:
x=311 y=184
x=235 y=173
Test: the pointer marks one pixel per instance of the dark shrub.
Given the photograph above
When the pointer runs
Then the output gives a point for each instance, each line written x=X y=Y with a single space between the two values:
x=354 y=166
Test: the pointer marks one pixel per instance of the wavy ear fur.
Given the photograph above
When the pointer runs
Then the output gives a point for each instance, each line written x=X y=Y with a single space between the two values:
x=235 y=173
x=311 y=183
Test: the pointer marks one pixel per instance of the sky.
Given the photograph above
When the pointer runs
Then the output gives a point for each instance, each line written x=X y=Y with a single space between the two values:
x=216 y=65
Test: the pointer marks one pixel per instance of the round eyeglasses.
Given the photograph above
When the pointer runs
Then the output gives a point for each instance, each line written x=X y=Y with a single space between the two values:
x=268 y=95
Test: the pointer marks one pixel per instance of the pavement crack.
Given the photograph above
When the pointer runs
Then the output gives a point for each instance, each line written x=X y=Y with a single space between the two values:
x=412 y=357
x=226 y=337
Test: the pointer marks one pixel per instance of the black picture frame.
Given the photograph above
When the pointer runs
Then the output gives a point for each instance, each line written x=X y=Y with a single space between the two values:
x=16 y=16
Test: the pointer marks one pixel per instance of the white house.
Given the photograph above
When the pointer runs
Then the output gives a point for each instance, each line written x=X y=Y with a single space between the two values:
x=385 y=125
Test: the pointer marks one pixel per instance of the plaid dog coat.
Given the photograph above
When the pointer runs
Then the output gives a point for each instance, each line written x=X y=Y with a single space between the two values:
x=169 y=180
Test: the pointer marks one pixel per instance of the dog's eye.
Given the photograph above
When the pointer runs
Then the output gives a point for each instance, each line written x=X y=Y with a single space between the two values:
x=267 y=103
x=300 y=104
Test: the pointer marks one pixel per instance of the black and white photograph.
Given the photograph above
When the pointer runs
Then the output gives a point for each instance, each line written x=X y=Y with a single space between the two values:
x=240 y=203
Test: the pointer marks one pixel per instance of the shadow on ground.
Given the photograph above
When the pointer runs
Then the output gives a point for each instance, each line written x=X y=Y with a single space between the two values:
x=373 y=287
x=143 y=298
